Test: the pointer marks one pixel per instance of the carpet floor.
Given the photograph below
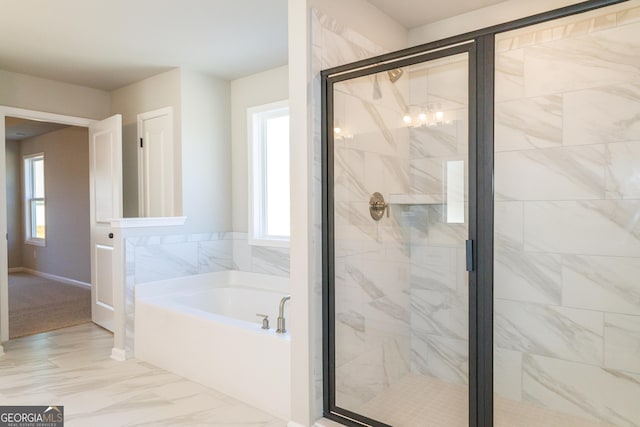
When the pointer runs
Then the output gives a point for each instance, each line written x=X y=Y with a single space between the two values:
x=39 y=305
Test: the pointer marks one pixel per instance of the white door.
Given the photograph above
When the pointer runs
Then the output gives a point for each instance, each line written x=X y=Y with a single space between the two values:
x=105 y=178
x=155 y=165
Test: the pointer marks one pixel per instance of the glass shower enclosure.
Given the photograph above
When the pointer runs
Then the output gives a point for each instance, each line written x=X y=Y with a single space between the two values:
x=481 y=217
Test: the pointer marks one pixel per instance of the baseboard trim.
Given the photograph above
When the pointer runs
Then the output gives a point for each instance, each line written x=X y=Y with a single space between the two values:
x=49 y=276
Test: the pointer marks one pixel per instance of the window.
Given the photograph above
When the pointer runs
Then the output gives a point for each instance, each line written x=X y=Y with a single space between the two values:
x=268 y=131
x=35 y=224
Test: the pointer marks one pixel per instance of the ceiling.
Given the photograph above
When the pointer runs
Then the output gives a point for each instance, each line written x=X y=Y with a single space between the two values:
x=107 y=44
x=17 y=129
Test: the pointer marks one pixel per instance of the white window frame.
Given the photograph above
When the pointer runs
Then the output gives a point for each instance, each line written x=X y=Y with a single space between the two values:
x=29 y=201
x=256 y=153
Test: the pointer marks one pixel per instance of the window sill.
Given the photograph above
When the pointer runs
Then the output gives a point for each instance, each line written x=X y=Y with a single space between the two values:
x=40 y=242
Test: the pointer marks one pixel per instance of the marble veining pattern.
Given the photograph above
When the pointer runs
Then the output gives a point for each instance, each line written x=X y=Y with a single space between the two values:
x=567 y=219
x=72 y=367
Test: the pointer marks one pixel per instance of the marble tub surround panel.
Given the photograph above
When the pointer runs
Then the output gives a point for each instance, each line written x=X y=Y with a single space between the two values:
x=567 y=242
x=162 y=257
x=152 y=258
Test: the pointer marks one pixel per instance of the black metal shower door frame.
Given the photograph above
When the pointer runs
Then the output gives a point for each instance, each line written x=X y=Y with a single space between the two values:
x=469 y=47
x=480 y=46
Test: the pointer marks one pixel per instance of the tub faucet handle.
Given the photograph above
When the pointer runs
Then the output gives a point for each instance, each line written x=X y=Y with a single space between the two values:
x=265 y=320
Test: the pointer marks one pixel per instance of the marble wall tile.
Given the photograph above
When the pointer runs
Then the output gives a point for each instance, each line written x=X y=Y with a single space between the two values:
x=427 y=176
x=603 y=58
x=509 y=69
x=528 y=123
x=583 y=390
x=507 y=377
x=603 y=114
x=622 y=342
x=440 y=313
x=531 y=277
x=360 y=380
x=348 y=182
x=216 y=255
x=448 y=84
x=389 y=314
x=384 y=174
x=440 y=357
x=434 y=268
x=551 y=174
x=441 y=233
x=607 y=284
x=508 y=225
x=550 y=331
x=269 y=260
x=434 y=141
x=623 y=170
x=157 y=262
x=596 y=227
x=241 y=253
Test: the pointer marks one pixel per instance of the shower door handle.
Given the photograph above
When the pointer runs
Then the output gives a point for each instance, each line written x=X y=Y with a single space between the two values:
x=469 y=247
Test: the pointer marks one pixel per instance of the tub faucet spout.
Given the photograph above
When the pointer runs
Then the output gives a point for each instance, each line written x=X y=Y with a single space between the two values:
x=281 y=328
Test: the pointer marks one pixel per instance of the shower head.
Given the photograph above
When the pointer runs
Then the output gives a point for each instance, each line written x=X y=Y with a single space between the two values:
x=395 y=74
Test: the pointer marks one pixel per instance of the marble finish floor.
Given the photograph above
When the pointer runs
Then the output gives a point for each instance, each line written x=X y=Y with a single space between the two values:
x=421 y=401
x=72 y=367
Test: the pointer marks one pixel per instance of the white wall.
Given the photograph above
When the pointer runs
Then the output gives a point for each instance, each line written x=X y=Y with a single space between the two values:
x=162 y=90
x=33 y=93
x=258 y=89
x=206 y=152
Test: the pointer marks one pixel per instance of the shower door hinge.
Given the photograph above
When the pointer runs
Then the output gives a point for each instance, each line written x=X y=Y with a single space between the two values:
x=469 y=246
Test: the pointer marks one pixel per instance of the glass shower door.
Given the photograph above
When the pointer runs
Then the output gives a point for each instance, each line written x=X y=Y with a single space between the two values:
x=399 y=221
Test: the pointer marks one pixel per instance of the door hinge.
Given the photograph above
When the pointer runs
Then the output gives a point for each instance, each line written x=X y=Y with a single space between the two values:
x=140 y=142
x=469 y=246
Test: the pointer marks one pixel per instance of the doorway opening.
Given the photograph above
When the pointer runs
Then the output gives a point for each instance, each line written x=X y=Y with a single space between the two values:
x=47 y=193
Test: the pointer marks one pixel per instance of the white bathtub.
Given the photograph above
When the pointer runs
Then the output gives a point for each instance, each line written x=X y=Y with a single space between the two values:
x=205 y=328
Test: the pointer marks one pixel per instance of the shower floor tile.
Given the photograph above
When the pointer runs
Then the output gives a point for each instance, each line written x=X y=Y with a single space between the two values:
x=420 y=401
